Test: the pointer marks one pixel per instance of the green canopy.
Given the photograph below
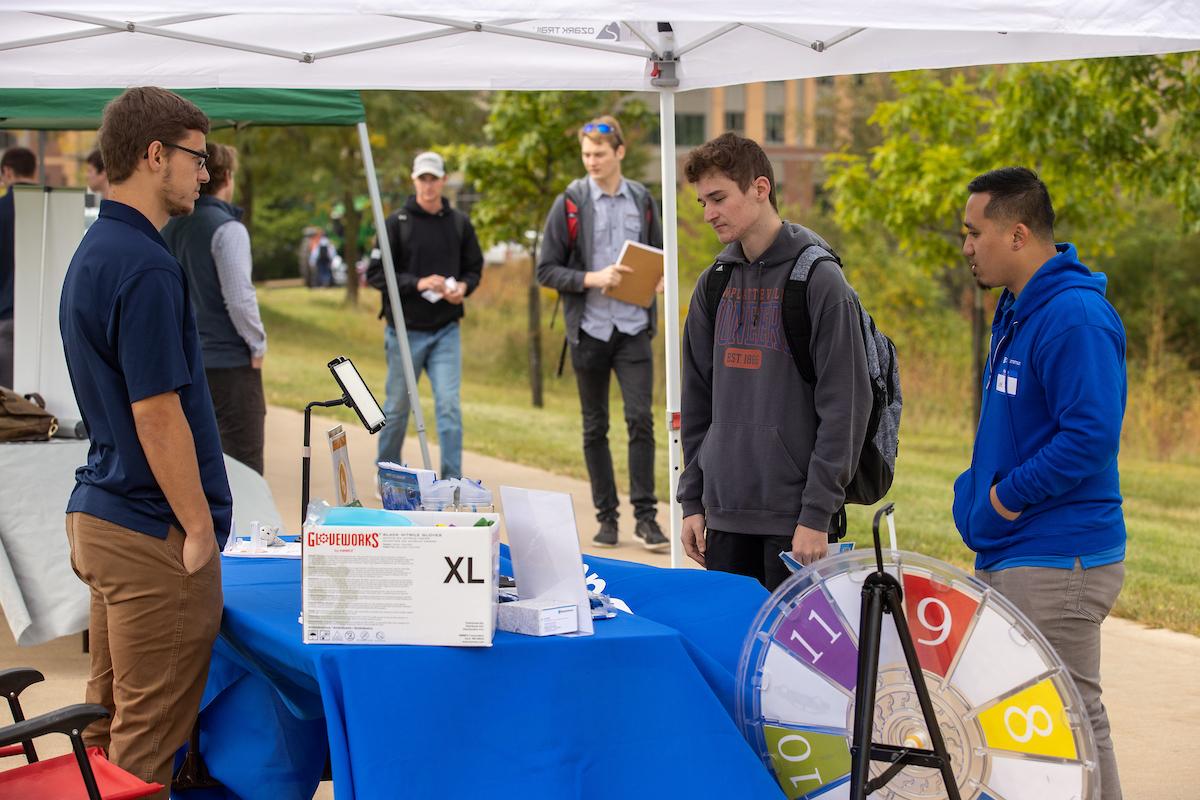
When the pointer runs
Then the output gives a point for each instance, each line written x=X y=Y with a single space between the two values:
x=80 y=109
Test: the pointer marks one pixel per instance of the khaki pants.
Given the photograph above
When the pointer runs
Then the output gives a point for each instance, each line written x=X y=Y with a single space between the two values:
x=152 y=631
x=1067 y=606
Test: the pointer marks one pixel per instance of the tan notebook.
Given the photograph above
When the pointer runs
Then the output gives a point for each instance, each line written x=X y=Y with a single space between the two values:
x=637 y=287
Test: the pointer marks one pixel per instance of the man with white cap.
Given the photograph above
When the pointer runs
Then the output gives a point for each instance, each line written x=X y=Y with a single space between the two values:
x=438 y=264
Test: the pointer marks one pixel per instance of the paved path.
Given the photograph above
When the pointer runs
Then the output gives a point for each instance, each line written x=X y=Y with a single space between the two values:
x=1151 y=677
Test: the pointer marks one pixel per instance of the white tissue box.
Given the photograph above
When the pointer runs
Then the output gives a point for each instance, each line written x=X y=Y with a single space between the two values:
x=538 y=617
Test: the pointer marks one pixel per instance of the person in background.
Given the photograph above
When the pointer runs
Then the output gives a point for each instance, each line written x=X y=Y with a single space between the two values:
x=17 y=165
x=213 y=246
x=1041 y=502
x=438 y=265
x=151 y=507
x=584 y=233
x=320 y=260
x=97 y=181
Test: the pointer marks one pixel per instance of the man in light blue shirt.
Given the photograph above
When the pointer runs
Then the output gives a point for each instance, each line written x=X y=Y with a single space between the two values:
x=585 y=231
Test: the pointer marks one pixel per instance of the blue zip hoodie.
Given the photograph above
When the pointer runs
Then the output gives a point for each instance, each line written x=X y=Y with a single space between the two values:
x=1053 y=400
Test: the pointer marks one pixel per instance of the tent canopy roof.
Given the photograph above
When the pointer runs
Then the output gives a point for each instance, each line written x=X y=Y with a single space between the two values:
x=80 y=109
x=546 y=44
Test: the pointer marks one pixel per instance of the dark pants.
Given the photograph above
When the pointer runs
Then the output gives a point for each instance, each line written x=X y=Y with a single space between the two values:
x=748 y=554
x=594 y=361
x=237 y=394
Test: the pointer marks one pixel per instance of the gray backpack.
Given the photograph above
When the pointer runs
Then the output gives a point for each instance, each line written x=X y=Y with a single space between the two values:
x=877 y=462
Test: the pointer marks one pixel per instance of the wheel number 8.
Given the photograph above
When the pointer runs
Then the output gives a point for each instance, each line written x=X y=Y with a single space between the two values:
x=1031 y=723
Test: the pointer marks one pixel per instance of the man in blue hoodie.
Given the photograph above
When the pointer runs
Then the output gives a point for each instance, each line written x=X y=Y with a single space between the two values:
x=1041 y=503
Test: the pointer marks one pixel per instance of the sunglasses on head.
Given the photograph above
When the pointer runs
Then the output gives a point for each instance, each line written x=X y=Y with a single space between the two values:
x=599 y=127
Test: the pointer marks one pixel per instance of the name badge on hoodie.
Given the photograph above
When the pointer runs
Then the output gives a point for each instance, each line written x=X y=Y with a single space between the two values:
x=1006 y=377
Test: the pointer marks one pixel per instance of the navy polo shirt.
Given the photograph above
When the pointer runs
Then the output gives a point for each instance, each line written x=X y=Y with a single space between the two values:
x=128 y=332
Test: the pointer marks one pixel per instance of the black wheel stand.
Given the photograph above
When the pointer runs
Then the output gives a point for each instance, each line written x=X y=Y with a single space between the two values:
x=882 y=594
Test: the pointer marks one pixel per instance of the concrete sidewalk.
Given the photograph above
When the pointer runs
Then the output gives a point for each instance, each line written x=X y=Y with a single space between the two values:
x=1151 y=680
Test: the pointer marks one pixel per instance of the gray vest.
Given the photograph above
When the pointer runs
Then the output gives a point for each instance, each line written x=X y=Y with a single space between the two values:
x=190 y=239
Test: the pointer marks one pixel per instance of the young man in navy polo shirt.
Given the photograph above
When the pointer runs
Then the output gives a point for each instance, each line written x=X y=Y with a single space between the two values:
x=152 y=506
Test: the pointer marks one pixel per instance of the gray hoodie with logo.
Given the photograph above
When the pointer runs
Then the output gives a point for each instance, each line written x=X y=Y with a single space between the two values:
x=763 y=449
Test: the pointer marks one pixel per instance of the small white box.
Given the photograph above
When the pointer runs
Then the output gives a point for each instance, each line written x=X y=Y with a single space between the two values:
x=538 y=617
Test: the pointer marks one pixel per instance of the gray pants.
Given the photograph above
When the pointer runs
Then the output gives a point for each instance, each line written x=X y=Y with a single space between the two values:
x=1067 y=606
x=6 y=352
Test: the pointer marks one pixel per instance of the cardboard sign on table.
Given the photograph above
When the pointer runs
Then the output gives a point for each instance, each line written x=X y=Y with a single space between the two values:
x=343 y=477
x=544 y=544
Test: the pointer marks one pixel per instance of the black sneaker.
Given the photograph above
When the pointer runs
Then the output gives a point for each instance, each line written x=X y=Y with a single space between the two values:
x=651 y=535
x=607 y=536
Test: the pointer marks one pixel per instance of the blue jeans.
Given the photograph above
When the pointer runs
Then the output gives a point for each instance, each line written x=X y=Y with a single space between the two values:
x=440 y=354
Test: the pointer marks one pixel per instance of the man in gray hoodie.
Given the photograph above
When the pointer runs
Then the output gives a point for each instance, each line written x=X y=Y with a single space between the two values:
x=767 y=454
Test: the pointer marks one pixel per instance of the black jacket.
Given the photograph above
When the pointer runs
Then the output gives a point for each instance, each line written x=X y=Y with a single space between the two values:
x=190 y=239
x=438 y=244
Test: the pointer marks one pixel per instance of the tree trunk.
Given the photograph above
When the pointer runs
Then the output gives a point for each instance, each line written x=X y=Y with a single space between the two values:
x=351 y=220
x=535 y=330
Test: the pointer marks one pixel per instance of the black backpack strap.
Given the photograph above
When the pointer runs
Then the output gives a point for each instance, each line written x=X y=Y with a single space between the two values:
x=460 y=223
x=562 y=357
x=403 y=232
x=838 y=526
x=714 y=286
x=573 y=199
x=571 y=205
x=797 y=321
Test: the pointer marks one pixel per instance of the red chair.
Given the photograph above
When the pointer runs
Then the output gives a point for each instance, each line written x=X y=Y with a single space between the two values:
x=85 y=773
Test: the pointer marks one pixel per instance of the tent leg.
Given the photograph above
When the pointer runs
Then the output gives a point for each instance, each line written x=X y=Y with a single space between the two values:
x=670 y=315
x=389 y=271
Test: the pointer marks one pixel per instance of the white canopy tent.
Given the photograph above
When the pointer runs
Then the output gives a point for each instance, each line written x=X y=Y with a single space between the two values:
x=665 y=47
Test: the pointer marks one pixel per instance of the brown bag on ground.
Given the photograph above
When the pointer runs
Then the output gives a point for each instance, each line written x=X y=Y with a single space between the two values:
x=24 y=419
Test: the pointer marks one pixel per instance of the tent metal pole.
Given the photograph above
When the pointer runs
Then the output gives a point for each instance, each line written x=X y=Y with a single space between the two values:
x=389 y=272
x=353 y=49
x=670 y=317
x=152 y=30
x=703 y=40
x=70 y=37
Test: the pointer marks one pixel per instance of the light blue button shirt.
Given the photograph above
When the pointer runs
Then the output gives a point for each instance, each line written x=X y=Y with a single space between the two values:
x=615 y=218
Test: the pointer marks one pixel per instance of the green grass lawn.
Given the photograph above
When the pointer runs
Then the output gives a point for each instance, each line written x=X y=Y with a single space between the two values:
x=309 y=327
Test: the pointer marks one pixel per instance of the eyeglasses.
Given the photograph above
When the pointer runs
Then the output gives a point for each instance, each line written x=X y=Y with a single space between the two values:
x=201 y=156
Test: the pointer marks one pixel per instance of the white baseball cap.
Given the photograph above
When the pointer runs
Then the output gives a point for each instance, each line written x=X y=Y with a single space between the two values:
x=429 y=163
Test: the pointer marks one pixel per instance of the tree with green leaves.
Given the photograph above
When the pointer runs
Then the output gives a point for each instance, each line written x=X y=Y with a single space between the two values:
x=1103 y=134
x=293 y=177
x=531 y=154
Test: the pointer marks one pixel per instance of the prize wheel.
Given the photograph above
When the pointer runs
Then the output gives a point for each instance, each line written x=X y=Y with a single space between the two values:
x=1011 y=718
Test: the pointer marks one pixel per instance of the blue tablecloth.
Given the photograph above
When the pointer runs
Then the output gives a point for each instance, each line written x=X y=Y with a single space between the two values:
x=644 y=708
